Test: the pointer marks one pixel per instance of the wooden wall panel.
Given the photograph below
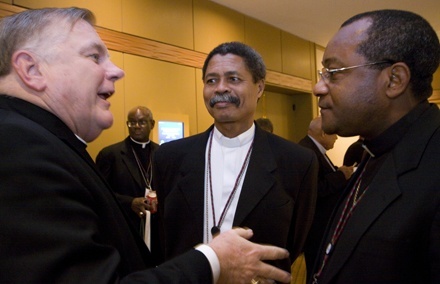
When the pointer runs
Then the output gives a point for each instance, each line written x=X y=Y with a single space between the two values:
x=266 y=40
x=215 y=24
x=298 y=56
x=168 y=21
x=107 y=12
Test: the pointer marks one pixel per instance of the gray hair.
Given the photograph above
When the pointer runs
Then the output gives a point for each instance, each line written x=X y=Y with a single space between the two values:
x=29 y=27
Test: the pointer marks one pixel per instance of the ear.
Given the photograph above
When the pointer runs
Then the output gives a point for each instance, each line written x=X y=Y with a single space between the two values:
x=27 y=67
x=261 y=85
x=399 y=76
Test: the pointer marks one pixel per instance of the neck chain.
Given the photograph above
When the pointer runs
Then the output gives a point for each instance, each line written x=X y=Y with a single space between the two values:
x=216 y=227
x=147 y=175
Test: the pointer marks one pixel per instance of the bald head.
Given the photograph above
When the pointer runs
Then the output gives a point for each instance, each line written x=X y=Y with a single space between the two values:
x=315 y=130
x=315 y=127
x=144 y=110
x=140 y=122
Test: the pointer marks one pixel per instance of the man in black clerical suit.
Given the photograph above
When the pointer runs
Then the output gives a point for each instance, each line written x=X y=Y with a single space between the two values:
x=127 y=165
x=235 y=173
x=376 y=81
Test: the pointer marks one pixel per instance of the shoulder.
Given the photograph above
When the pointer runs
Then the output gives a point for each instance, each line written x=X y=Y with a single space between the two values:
x=113 y=147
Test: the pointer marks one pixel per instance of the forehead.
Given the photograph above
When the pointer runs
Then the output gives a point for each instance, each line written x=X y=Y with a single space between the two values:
x=342 y=47
x=80 y=35
x=139 y=113
x=226 y=63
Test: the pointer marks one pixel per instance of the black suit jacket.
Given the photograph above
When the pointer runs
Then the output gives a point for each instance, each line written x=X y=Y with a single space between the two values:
x=59 y=220
x=277 y=199
x=118 y=165
x=330 y=187
x=393 y=235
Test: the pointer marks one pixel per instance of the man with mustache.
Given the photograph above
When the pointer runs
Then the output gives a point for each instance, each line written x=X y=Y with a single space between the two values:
x=235 y=173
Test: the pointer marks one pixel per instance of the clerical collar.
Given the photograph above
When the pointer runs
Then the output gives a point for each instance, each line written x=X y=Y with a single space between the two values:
x=80 y=139
x=144 y=144
x=238 y=141
x=391 y=136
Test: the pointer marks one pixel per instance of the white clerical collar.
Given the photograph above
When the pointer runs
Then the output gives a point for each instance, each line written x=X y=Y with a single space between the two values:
x=320 y=147
x=80 y=139
x=238 y=141
x=140 y=143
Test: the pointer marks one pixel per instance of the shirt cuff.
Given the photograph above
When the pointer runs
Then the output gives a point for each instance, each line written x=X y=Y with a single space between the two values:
x=212 y=259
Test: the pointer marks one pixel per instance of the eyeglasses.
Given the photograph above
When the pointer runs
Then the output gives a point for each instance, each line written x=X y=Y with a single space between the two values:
x=327 y=74
x=141 y=123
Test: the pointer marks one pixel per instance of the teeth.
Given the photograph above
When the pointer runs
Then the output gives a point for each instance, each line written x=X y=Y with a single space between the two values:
x=104 y=95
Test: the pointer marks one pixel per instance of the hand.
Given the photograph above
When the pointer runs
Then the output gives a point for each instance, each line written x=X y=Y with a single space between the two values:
x=139 y=206
x=346 y=170
x=241 y=260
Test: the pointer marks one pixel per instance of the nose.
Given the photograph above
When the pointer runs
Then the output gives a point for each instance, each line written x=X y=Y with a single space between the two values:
x=114 y=73
x=320 y=88
x=222 y=87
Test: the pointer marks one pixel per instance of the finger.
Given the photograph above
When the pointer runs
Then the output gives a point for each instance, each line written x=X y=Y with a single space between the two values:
x=243 y=232
x=270 y=272
x=273 y=253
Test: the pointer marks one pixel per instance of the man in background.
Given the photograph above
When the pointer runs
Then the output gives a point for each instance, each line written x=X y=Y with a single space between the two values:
x=265 y=124
x=127 y=165
x=235 y=173
x=331 y=183
x=60 y=221
x=375 y=83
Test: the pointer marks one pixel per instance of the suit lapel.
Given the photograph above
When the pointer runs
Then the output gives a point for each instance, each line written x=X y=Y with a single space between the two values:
x=191 y=184
x=258 y=179
x=382 y=191
x=130 y=162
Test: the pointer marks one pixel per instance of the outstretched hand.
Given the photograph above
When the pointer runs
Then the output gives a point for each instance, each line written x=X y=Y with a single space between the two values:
x=241 y=260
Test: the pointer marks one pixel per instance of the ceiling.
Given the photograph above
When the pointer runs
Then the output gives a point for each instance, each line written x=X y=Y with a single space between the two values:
x=318 y=20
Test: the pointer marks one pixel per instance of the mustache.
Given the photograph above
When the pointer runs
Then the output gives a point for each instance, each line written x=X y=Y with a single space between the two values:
x=224 y=98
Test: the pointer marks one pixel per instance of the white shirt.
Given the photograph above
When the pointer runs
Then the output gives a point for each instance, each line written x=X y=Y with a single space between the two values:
x=227 y=158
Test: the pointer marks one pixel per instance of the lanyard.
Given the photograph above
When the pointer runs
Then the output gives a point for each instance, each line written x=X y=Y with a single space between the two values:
x=147 y=177
x=216 y=228
x=351 y=203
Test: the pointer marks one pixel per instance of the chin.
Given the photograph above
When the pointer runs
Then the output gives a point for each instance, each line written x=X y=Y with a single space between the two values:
x=105 y=123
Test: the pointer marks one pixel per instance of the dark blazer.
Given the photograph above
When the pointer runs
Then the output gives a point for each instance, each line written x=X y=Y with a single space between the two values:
x=277 y=200
x=59 y=220
x=330 y=187
x=393 y=235
x=329 y=182
x=119 y=167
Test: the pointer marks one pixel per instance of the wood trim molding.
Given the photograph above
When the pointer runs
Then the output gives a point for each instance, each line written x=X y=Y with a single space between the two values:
x=135 y=45
x=7 y=10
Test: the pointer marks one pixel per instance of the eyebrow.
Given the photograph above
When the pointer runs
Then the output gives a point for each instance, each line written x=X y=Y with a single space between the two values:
x=227 y=73
x=329 y=61
x=94 y=45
